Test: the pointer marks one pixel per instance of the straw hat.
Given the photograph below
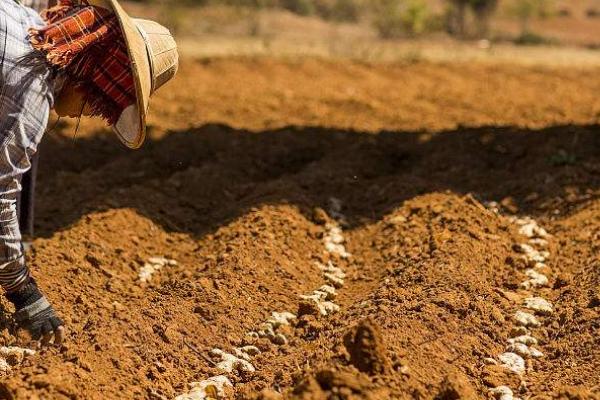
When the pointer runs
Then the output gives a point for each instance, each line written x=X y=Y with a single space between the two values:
x=154 y=61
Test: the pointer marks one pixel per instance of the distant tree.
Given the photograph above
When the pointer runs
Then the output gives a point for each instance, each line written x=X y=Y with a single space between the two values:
x=301 y=7
x=457 y=17
x=388 y=18
x=482 y=11
x=394 y=18
x=346 y=10
x=526 y=10
x=415 y=17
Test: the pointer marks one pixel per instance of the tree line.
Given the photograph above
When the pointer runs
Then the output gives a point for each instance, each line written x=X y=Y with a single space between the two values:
x=395 y=18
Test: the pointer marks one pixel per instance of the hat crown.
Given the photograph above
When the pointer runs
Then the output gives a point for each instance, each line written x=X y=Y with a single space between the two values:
x=162 y=52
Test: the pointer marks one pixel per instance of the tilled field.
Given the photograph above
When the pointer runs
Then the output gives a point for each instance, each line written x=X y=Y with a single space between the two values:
x=437 y=252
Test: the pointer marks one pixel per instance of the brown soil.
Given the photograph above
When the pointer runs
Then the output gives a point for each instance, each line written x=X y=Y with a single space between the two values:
x=432 y=279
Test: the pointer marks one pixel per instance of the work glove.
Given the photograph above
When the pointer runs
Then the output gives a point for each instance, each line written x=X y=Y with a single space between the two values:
x=35 y=314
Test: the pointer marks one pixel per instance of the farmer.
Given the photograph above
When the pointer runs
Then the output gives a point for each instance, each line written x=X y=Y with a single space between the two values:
x=80 y=58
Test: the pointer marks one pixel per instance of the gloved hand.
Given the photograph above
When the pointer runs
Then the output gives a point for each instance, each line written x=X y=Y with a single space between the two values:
x=35 y=314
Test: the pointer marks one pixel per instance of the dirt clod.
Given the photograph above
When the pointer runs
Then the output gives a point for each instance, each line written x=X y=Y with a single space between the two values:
x=497 y=375
x=332 y=385
x=455 y=387
x=367 y=350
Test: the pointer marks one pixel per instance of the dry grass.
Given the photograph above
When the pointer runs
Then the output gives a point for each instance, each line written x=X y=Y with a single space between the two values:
x=383 y=51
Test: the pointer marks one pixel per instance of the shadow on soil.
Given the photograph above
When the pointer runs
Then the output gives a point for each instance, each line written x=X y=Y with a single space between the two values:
x=196 y=180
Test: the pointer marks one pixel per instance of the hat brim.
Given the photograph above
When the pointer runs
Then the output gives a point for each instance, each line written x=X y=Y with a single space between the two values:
x=131 y=126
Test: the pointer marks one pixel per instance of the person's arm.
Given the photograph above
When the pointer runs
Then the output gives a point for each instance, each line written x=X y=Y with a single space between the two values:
x=25 y=101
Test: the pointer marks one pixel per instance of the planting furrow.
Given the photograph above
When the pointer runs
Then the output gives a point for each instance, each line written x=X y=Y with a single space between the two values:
x=521 y=347
x=240 y=360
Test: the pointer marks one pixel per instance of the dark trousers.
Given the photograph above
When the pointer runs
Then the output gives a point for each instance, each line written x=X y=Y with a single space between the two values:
x=26 y=200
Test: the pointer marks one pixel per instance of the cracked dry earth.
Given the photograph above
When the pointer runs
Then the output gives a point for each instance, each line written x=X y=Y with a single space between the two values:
x=322 y=263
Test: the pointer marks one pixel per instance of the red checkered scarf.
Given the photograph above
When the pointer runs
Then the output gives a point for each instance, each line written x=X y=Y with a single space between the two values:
x=86 y=44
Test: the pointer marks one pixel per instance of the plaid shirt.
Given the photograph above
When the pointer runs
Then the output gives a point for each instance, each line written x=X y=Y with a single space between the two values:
x=26 y=97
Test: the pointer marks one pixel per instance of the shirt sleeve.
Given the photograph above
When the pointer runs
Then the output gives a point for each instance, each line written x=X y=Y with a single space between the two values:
x=37 y=5
x=26 y=89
